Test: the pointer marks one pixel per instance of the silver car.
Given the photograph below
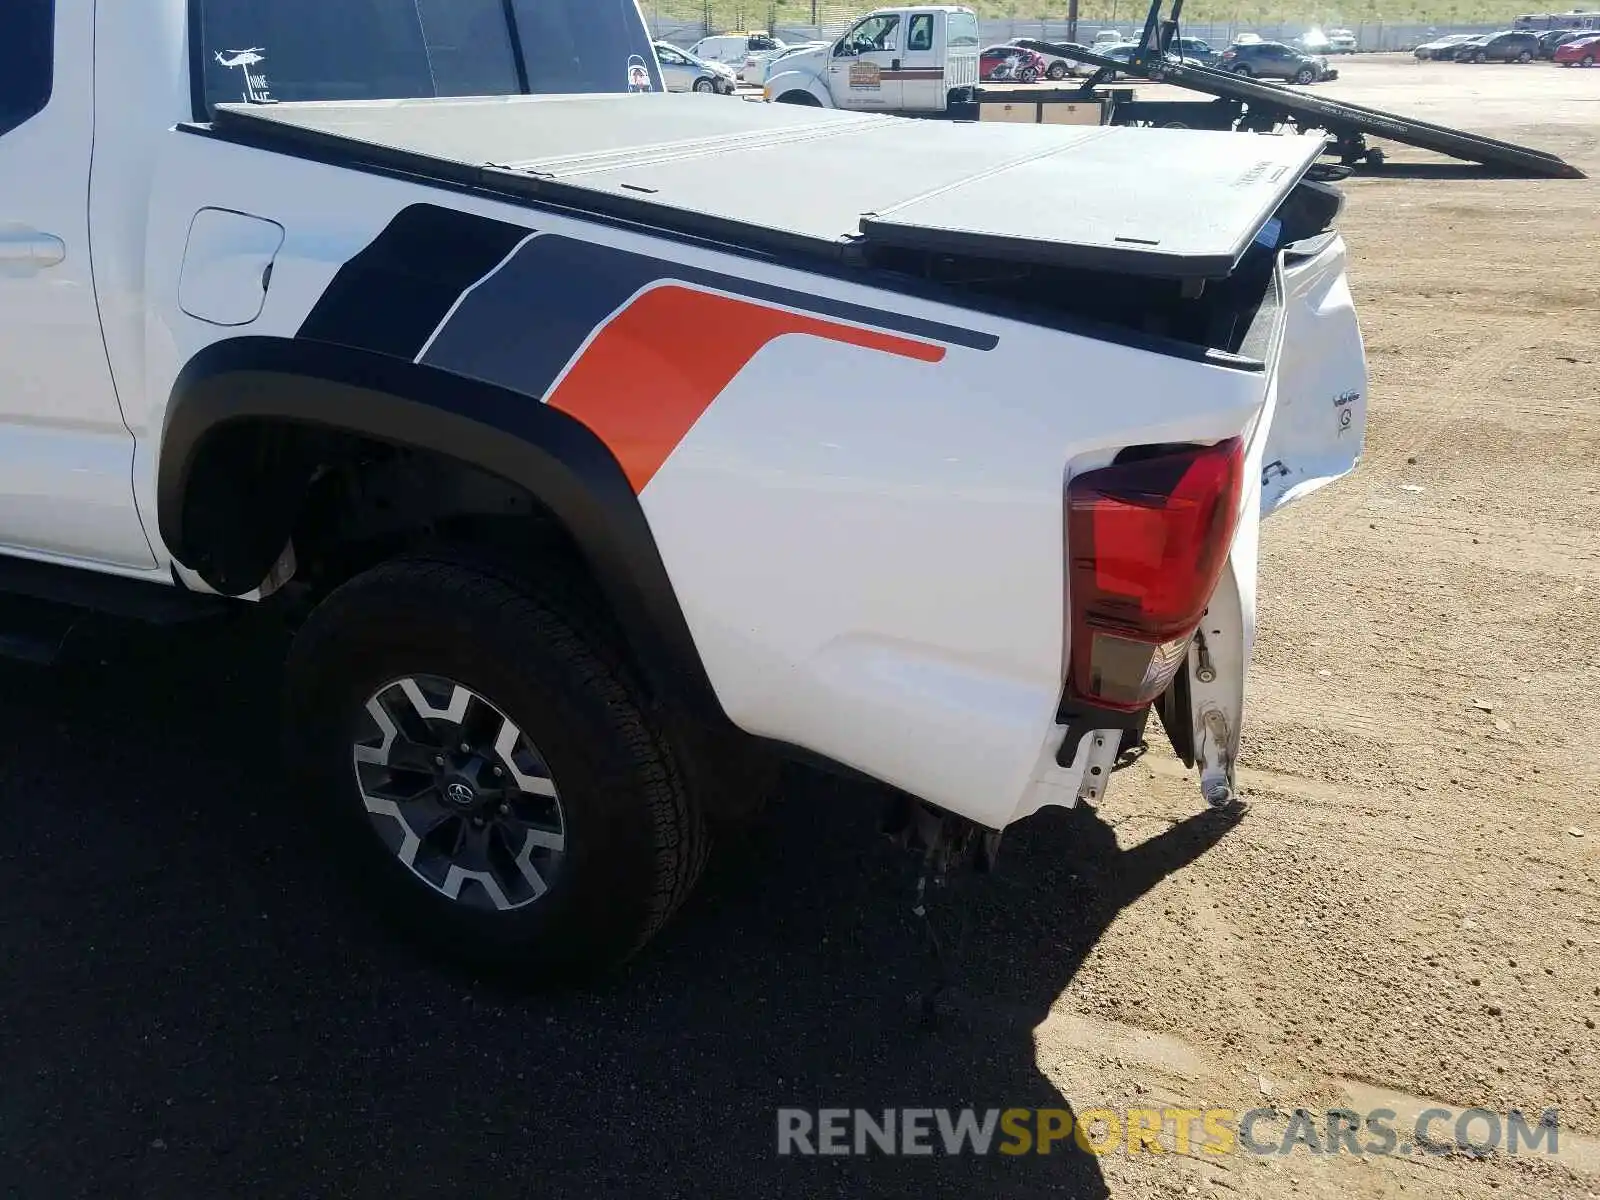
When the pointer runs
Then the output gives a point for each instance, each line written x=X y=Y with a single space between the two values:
x=683 y=72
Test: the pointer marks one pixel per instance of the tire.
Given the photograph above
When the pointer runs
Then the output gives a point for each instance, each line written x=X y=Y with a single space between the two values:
x=1524 y=57
x=1057 y=72
x=705 y=86
x=1586 y=61
x=1241 y=69
x=611 y=843
x=1305 y=76
x=1480 y=57
x=1028 y=75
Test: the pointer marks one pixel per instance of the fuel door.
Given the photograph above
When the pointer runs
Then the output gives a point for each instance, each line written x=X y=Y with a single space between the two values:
x=227 y=266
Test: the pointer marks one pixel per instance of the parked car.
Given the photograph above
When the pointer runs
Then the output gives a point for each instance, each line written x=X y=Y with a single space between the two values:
x=1514 y=45
x=1463 y=51
x=1342 y=41
x=770 y=63
x=734 y=49
x=1275 y=60
x=1195 y=50
x=1581 y=52
x=1442 y=48
x=1057 y=67
x=1108 y=37
x=1314 y=41
x=1122 y=52
x=1553 y=39
x=1011 y=64
x=758 y=65
x=683 y=72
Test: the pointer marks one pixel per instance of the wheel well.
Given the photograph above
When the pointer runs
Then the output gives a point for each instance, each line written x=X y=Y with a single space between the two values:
x=797 y=96
x=329 y=505
x=341 y=503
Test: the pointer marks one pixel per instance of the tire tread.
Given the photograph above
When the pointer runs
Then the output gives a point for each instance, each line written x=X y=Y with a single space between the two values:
x=533 y=612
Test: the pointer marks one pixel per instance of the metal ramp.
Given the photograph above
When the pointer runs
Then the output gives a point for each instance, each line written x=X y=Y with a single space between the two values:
x=1250 y=105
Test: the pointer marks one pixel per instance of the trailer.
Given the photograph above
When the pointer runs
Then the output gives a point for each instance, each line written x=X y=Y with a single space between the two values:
x=1251 y=106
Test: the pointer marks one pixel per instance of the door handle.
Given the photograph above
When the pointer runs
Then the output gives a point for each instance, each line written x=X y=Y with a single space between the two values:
x=31 y=248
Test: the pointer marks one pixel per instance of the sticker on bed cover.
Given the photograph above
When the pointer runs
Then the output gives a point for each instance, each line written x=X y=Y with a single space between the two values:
x=257 y=89
x=638 y=75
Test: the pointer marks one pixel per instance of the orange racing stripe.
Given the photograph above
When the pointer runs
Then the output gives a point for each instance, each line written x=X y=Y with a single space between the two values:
x=652 y=372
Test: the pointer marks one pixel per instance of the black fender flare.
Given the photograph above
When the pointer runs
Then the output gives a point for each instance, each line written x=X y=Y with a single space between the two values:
x=503 y=433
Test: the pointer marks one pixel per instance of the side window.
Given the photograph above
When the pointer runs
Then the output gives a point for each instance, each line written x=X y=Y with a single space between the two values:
x=962 y=30
x=27 y=59
x=875 y=33
x=920 y=34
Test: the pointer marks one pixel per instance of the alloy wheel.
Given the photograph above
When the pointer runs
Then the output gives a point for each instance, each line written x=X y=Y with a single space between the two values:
x=459 y=794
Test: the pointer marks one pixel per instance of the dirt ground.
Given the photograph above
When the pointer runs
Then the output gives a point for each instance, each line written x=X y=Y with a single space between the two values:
x=1410 y=911
x=1404 y=917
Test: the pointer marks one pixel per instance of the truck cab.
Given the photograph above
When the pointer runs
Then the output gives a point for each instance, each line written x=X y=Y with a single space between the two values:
x=893 y=60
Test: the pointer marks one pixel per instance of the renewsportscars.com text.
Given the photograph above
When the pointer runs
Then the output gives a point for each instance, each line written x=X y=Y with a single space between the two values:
x=1218 y=1131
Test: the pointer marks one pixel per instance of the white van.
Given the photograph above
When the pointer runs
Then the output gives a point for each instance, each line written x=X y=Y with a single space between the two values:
x=736 y=49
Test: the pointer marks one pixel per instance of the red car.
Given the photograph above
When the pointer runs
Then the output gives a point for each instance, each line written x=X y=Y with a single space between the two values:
x=1011 y=64
x=1582 y=51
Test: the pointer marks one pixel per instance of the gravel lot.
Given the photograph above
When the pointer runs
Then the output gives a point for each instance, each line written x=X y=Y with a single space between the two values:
x=1405 y=915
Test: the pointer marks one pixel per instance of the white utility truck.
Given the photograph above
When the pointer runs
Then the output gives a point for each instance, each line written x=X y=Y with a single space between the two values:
x=897 y=60
x=604 y=445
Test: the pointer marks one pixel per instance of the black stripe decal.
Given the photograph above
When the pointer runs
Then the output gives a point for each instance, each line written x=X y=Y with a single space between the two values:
x=392 y=296
x=519 y=329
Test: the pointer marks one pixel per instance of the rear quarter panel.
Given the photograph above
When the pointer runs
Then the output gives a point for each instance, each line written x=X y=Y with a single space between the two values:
x=867 y=544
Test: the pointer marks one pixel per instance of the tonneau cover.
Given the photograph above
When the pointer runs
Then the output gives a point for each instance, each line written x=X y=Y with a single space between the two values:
x=1172 y=203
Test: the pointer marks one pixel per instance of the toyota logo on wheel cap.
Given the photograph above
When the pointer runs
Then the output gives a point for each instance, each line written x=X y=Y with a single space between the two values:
x=460 y=794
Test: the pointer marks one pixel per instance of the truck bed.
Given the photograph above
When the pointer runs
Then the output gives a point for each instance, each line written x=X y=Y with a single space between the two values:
x=1177 y=204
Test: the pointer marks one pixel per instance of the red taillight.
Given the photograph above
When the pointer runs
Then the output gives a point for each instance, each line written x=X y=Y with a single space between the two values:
x=1146 y=544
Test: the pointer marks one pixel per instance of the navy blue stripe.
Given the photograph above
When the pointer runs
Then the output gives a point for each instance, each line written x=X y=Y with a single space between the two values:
x=519 y=329
x=393 y=295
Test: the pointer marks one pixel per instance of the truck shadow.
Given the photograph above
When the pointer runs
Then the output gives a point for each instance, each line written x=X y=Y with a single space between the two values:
x=191 y=1003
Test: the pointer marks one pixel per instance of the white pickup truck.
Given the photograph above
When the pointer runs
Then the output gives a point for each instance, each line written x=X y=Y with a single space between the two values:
x=918 y=60
x=596 y=466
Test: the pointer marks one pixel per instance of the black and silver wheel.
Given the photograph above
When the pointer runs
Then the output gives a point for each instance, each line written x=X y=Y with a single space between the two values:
x=704 y=85
x=1241 y=69
x=459 y=794
x=1057 y=72
x=1524 y=57
x=1305 y=76
x=485 y=766
x=1028 y=75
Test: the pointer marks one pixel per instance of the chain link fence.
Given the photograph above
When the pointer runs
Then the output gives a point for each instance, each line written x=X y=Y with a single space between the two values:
x=689 y=20
x=685 y=22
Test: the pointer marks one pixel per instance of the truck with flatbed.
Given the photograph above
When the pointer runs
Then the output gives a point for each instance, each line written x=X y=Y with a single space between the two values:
x=922 y=61
x=604 y=447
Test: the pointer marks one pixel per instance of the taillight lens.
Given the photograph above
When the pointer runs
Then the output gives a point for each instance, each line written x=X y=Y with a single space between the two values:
x=1146 y=543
